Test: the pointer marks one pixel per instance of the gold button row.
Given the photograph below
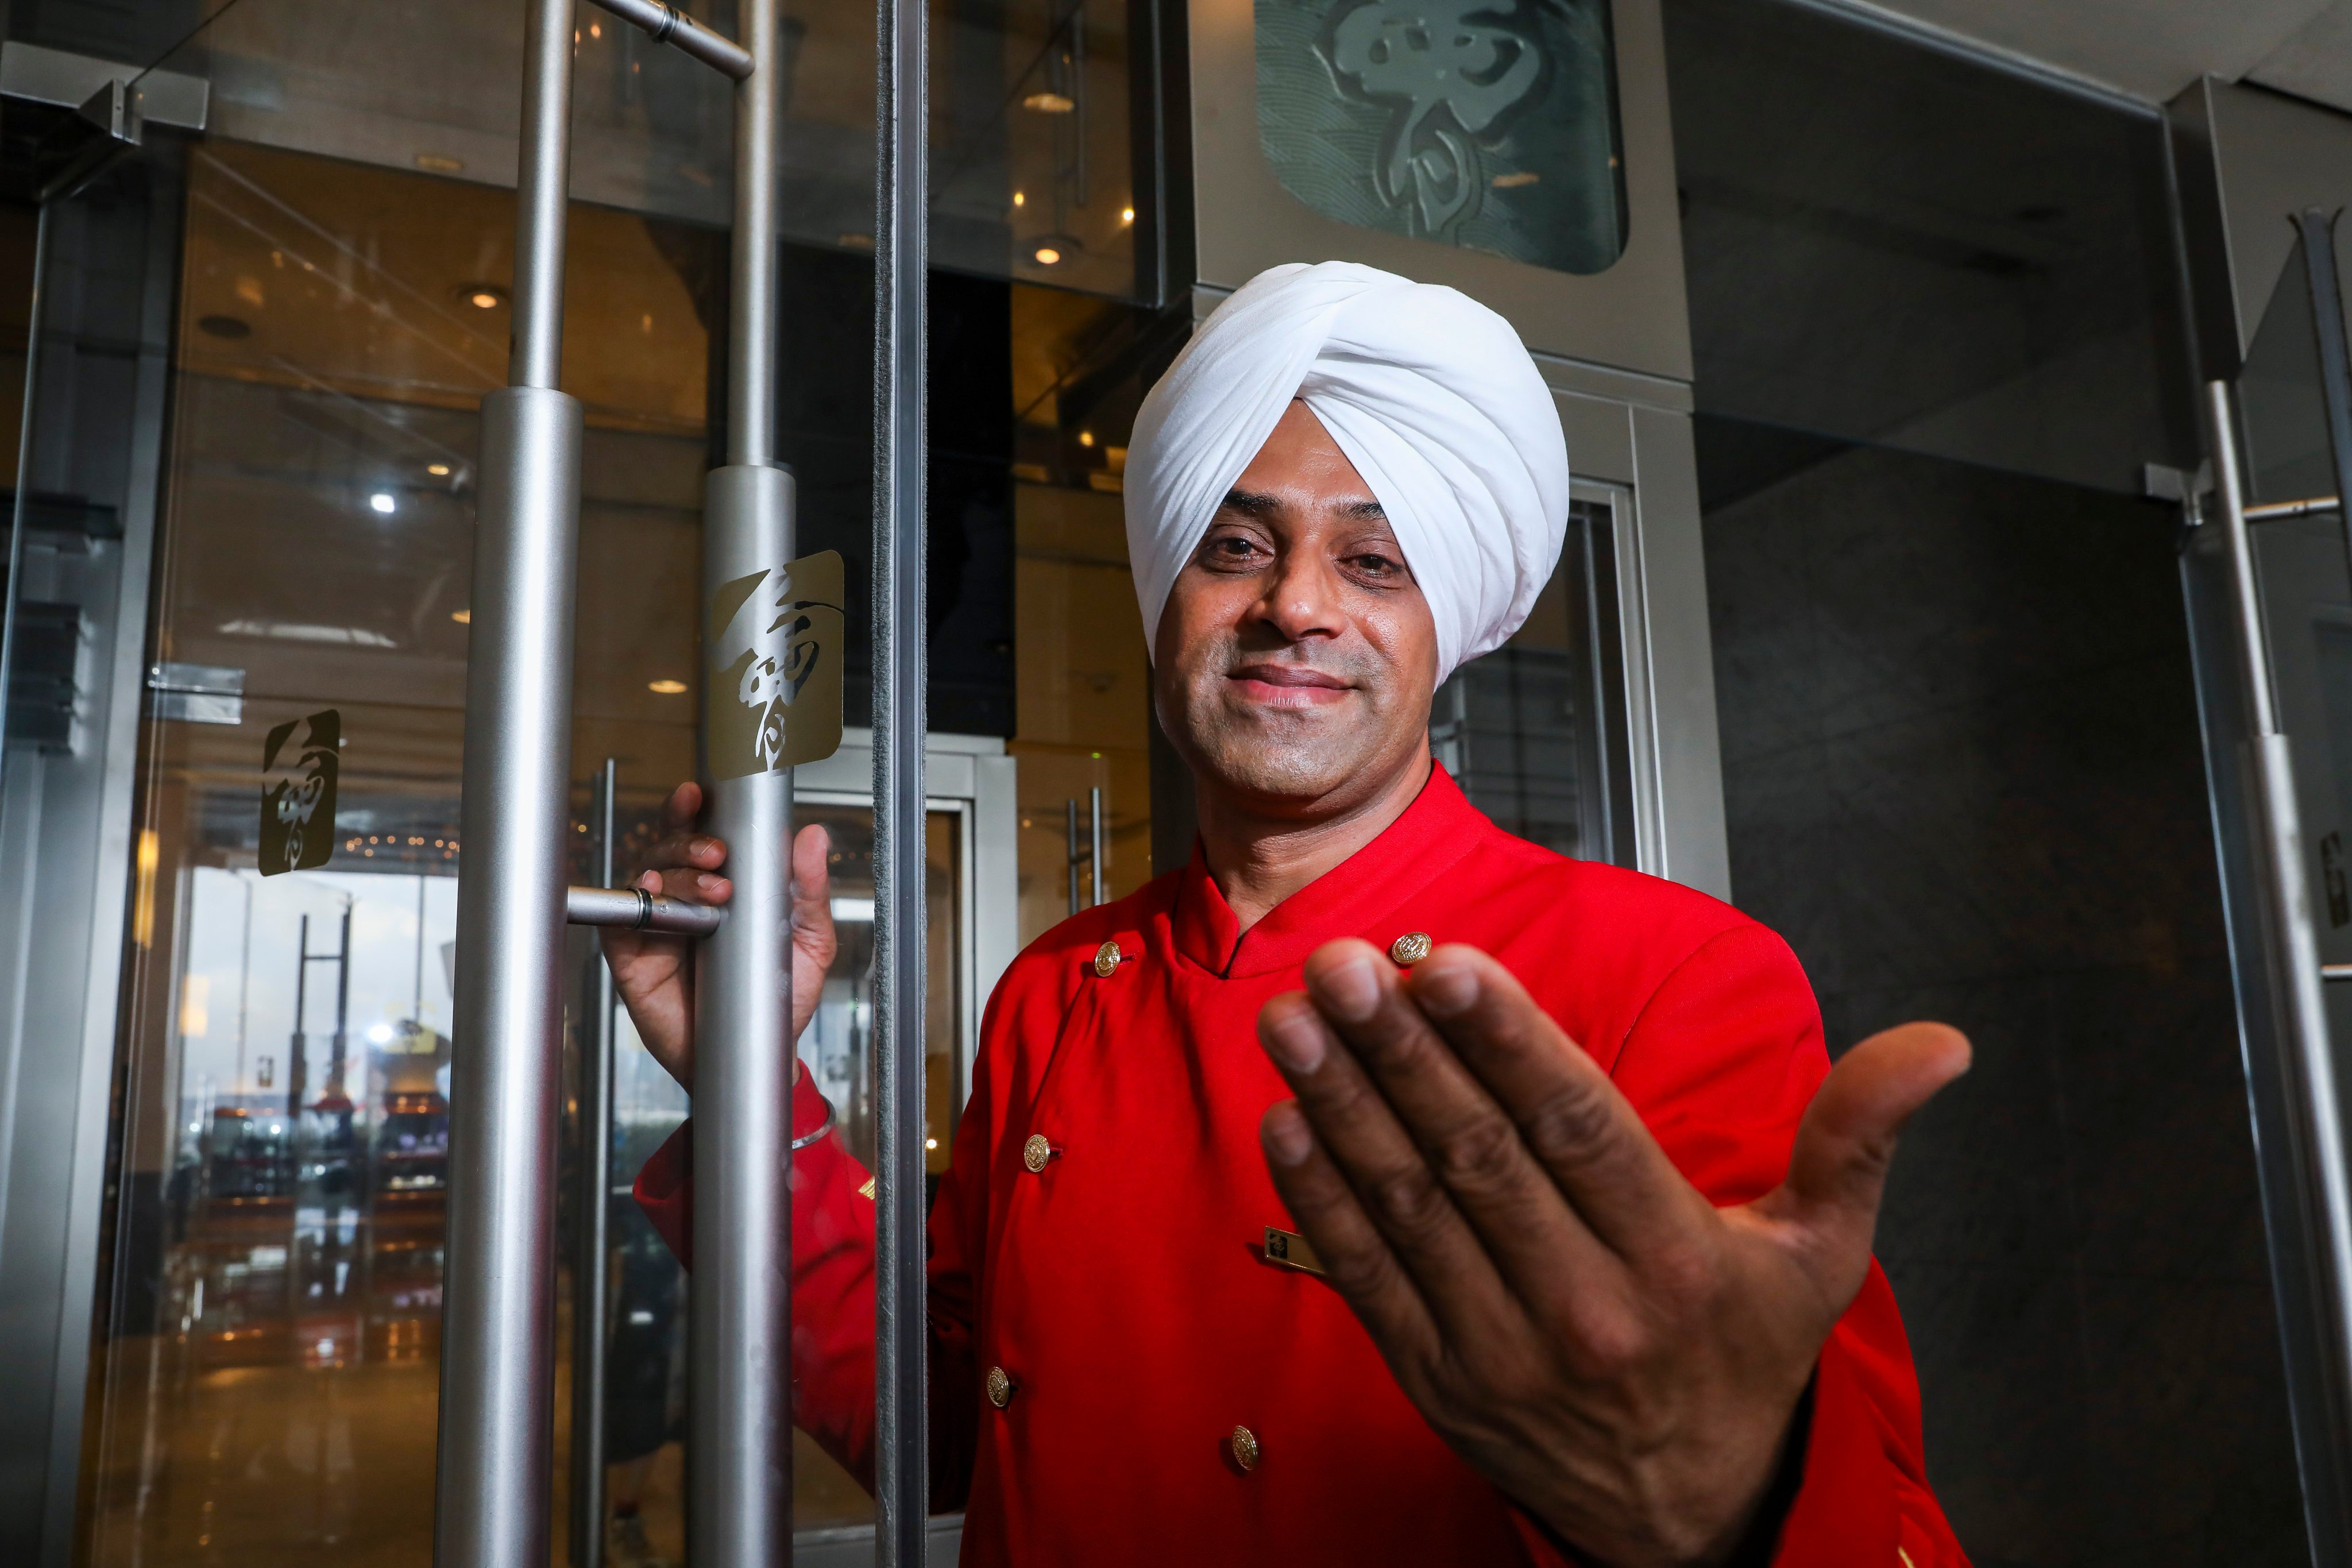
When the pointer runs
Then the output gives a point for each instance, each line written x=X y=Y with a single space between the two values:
x=1243 y=1445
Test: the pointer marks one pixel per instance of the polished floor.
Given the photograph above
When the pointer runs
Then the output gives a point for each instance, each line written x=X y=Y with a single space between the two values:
x=276 y=1466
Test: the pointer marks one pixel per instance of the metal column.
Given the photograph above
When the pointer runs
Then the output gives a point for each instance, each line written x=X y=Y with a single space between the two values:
x=2312 y=1249
x=497 y=1317
x=901 y=192
x=739 y=1442
x=592 y=1208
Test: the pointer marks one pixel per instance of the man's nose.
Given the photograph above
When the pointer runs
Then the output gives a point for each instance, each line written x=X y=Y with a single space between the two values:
x=1303 y=599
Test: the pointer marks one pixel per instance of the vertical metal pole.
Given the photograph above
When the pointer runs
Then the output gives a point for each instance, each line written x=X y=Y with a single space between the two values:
x=739 y=1444
x=2318 y=228
x=1071 y=807
x=593 y=1202
x=499 y=1313
x=1095 y=840
x=11 y=586
x=901 y=264
x=2313 y=1134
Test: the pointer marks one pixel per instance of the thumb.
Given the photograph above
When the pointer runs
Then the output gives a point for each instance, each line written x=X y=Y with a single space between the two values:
x=1837 y=1172
x=813 y=889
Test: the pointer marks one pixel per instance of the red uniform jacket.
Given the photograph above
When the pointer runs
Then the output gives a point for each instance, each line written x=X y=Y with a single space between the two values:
x=1123 y=1288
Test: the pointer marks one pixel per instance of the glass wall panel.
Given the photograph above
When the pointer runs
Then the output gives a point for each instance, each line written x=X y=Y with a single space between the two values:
x=269 y=1345
x=1034 y=171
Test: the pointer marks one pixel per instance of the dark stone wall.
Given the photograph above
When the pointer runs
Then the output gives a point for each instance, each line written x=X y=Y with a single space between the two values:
x=1963 y=777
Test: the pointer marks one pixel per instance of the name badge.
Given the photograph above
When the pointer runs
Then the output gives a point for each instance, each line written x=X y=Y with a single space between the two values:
x=1291 y=1250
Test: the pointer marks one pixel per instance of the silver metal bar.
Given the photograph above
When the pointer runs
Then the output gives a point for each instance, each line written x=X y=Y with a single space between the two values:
x=592 y=1200
x=739 y=1442
x=2314 y=1136
x=901 y=269
x=1095 y=832
x=669 y=25
x=2277 y=510
x=1071 y=807
x=639 y=910
x=12 y=586
x=2336 y=971
x=498 y=1312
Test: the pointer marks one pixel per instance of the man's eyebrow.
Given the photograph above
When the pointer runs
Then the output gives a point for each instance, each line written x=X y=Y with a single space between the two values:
x=1364 y=512
x=1250 y=504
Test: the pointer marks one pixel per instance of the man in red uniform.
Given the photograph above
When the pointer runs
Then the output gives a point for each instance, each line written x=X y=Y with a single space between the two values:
x=1378 y=1187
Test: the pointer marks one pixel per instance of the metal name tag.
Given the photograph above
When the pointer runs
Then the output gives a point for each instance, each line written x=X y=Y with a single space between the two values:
x=776 y=649
x=1291 y=1250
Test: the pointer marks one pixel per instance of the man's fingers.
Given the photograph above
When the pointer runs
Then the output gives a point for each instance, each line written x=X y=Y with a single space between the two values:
x=684 y=882
x=1837 y=1169
x=683 y=804
x=1372 y=1152
x=1468 y=1139
x=1583 y=1131
x=1355 y=1258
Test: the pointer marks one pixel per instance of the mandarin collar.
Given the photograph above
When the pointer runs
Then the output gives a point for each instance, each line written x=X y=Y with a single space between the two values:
x=1432 y=833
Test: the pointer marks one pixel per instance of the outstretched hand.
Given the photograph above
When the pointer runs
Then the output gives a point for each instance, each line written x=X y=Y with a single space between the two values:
x=1576 y=1320
x=653 y=972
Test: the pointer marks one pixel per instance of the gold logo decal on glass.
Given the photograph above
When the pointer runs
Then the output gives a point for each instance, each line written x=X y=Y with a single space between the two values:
x=1291 y=1250
x=298 y=792
x=776 y=642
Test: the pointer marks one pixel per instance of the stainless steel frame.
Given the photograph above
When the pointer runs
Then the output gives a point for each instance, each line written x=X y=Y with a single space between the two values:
x=101 y=347
x=592 y=1206
x=2290 y=1062
x=900 y=670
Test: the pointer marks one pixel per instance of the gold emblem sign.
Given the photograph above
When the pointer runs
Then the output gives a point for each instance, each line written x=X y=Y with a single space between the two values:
x=776 y=641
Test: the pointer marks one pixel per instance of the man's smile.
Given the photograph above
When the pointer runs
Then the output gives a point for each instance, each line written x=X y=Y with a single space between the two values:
x=1288 y=686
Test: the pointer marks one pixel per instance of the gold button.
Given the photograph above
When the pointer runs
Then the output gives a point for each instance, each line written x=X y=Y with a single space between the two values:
x=1106 y=959
x=1409 y=949
x=1000 y=1387
x=1243 y=1443
x=1036 y=1151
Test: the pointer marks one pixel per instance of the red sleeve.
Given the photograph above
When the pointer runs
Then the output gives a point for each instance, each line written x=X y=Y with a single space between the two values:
x=833 y=1287
x=832 y=1274
x=1722 y=1063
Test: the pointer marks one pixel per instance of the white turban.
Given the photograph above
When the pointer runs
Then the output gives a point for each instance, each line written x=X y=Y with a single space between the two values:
x=1429 y=394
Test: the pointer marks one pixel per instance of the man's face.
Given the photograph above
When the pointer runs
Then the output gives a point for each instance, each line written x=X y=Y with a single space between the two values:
x=1295 y=660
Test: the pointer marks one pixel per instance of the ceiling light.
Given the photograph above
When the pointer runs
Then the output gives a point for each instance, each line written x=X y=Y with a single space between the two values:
x=1126 y=215
x=382 y=502
x=438 y=470
x=1048 y=103
x=482 y=296
x=1018 y=198
x=930 y=1142
x=1046 y=256
x=666 y=688
x=1085 y=438
x=463 y=617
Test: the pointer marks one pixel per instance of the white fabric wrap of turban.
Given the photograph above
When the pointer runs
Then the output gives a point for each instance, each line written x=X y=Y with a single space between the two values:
x=1430 y=394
